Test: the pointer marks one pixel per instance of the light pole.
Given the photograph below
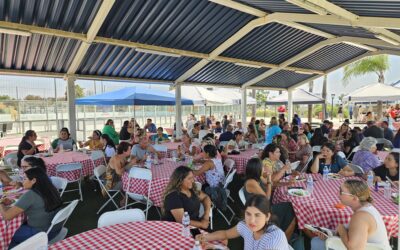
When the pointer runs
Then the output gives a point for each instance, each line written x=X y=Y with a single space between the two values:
x=333 y=97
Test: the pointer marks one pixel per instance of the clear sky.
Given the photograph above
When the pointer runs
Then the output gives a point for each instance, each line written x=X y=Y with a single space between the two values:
x=12 y=85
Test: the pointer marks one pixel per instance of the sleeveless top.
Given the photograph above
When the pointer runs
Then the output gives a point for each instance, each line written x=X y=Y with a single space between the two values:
x=380 y=235
x=247 y=194
x=216 y=175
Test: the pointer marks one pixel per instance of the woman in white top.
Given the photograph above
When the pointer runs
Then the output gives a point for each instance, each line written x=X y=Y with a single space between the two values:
x=212 y=167
x=257 y=231
x=366 y=224
x=109 y=146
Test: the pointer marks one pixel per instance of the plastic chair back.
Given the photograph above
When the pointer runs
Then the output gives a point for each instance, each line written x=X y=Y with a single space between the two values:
x=140 y=173
x=357 y=169
x=316 y=149
x=241 y=196
x=229 y=178
x=11 y=159
x=38 y=241
x=68 y=168
x=120 y=216
x=96 y=155
x=63 y=215
x=160 y=148
x=294 y=165
x=60 y=183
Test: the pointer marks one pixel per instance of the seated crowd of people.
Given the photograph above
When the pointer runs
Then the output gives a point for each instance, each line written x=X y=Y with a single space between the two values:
x=265 y=225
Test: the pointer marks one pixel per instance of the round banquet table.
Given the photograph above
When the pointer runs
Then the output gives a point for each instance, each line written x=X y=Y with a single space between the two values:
x=147 y=235
x=242 y=159
x=319 y=209
x=71 y=157
x=15 y=142
x=160 y=178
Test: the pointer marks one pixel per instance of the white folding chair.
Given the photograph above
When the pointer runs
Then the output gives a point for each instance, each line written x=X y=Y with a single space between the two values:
x=357 y=169
x=97 y=155
x=141 y=174
x=230 y=165
x=386 y=143
x=98 y=172
x=120 y=217
x=37 y=242
x=72 y=167
x=294 y=165
x=223 y=143
x=316 y=149
x=241 y=196
x=60 y=183
x=335 y=243
x=228 y=180
x=355 y=149
x=395 y=150
x=61 y=218
x=203 y=133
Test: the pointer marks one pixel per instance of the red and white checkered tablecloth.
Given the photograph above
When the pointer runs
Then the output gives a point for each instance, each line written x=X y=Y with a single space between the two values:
x=70 y=157
x=8 y=228
x=147 y=235
x=319 y=209
x=15 y=142
x=242 y=158
x=161 y=175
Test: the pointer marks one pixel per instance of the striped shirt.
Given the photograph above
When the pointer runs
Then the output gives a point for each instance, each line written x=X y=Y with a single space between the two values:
x=273 y=239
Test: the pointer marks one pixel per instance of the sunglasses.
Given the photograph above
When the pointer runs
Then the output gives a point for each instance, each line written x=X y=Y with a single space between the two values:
x=344 y=193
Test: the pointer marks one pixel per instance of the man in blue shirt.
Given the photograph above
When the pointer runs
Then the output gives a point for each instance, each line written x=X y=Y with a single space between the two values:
x=150 y=126
x=228 y=135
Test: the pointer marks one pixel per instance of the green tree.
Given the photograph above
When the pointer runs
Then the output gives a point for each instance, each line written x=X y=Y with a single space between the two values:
x=374 y=64
x=79 y=92
x=261 y=97
x=5 y=97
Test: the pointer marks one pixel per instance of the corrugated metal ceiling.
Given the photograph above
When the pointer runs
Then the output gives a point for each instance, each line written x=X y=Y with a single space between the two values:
x=107 y=60
x=226 y=73
x=321 y=60
x=274 y=6
x=272 y=43
x=195 y=25
x=283 y=79
x=37 y=53
x=379 y=8
x=68 y=15
x=339 y=30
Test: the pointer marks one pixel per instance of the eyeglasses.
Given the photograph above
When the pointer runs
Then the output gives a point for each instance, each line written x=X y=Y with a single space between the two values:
x=344 y=193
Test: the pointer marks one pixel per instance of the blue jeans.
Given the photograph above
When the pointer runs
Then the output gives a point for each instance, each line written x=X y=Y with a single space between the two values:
x=23 y=233
x=317 y=244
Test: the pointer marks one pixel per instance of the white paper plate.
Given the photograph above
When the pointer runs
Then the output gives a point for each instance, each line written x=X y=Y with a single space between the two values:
x=298 y=192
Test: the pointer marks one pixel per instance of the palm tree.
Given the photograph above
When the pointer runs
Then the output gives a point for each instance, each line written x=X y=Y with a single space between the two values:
x=373 y=64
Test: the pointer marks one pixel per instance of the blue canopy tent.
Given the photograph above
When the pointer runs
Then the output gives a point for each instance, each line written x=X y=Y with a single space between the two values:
x=133 y=96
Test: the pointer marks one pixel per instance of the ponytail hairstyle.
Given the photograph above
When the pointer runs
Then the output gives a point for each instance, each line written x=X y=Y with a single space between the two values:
x=97 y=132
x=109 y=142
x=28 y=134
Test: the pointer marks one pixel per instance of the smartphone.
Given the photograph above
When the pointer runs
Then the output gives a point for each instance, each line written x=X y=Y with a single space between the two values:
x=194 y=232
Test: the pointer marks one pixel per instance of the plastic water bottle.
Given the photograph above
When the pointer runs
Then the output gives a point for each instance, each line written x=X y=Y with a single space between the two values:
x=370 y=179
x=325 y=173
x=186 y=223
x=61 y=148
x=387 y=190
x=155 y=159
x=74 y=148
x=310 y=184
x=1 y=189
x=51 y=151
x=148 y=162
x=190 y=163
x=197 y=245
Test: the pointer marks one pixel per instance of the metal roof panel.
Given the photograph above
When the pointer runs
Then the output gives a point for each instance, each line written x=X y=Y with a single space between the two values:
x=323 y=59
x=37 y=53
x=283 y=79
x=274 y=6
x=339 y=30
x=226 y=73
x=69 y=15
x=272 y=43
x=378 y=8
x=195 y=25
x=108 y=60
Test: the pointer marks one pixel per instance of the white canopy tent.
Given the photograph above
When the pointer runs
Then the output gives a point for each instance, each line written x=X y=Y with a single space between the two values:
x=235 y=96
x=375 y=92
x=203 y=96
x=300 y=96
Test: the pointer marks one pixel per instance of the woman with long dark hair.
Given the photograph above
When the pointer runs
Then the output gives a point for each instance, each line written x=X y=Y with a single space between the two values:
x=181 y=195
x=108 y=146
x=318 y=138
x=256 y=229
x=40 y=204
x=27 y=145
x=333 y=161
